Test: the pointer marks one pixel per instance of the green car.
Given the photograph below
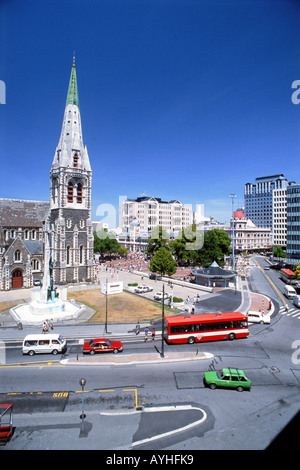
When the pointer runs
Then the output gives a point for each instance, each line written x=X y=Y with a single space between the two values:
x=227 y=378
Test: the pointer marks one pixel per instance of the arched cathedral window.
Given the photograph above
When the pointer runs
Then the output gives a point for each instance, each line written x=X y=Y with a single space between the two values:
x=68 y=254
x=70 y=191
x=75 y=160
x=81 y=259
x=54 y=190
x=79 y=193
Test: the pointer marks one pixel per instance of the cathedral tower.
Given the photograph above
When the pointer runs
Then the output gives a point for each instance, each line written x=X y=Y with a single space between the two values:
x=70 y=198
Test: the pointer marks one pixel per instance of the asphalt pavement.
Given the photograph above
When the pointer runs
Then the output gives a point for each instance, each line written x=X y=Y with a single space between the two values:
x=64 y=430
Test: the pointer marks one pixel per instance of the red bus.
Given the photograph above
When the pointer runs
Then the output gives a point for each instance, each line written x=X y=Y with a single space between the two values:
x=287 y=275
x=205 y=327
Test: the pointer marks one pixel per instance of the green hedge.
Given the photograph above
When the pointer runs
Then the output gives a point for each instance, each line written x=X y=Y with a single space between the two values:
x=177 y=299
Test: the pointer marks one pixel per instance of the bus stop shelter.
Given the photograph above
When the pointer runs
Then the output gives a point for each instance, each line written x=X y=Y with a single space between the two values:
x=214 y=276
x=6 y=423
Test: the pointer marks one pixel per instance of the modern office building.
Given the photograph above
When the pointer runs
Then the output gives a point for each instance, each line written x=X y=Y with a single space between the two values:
x=279 y=217
x=293 y=224
x=259 y=202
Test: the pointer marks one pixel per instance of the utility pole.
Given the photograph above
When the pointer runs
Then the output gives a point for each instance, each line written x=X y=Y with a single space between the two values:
x=105 y=328
x=162 y=354
x=232 y=195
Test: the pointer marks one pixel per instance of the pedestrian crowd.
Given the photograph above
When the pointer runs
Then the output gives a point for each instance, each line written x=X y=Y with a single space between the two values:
x=47 y=325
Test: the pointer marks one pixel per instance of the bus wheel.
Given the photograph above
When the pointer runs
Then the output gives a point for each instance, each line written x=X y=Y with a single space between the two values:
x=231 y=336
x=191 y=340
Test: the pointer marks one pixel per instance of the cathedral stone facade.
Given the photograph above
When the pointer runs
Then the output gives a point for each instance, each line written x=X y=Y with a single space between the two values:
x=66 y=219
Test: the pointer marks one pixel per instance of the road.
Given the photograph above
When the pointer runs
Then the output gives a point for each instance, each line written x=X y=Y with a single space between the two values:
x=43 y=388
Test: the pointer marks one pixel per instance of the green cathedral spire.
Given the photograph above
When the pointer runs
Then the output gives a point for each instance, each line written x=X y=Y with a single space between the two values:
x=72 y=97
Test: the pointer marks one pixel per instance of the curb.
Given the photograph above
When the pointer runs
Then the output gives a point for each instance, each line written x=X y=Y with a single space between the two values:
x=132 y=359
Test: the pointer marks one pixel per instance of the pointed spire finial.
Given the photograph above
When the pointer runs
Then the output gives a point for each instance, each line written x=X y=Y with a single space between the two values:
x=72 y=97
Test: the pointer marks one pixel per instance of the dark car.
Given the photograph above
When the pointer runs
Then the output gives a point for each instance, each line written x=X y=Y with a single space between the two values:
x=102 y=345
x=155 y=276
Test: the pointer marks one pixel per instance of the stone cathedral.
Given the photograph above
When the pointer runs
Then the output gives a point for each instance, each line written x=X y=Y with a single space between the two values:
x=65 y=219
x=70 y=198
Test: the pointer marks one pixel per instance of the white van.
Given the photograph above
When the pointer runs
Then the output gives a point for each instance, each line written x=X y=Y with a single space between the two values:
x=289 y=291
x=258 y=317
x=44 y=343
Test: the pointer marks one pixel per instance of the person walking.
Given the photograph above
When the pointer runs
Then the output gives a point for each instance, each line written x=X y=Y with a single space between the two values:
x=146 y=331
x=153 y=335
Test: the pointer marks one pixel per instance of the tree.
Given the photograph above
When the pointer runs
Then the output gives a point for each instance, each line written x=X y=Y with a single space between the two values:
x=159 y=238
x=163 y=262
x=279 y=252
x=297 y=272
x=106 y=243
x=216 y=245
x=188 y=241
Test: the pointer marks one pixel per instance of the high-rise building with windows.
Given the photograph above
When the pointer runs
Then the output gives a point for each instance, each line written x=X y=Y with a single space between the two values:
x=293 y=224
x=259 y=201
x=279 y=217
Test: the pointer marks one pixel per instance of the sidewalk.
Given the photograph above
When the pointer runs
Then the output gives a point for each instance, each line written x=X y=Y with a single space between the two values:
x=8 y=327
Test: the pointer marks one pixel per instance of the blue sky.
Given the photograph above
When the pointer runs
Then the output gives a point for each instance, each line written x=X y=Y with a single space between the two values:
x=179 y=99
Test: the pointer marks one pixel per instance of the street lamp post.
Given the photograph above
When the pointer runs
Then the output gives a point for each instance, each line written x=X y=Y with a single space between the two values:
x=162 y=353
x=82 y=382
x=106 y=287
x=232 y=195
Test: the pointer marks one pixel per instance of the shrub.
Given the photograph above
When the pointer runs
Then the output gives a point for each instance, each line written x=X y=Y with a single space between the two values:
x=177 y=299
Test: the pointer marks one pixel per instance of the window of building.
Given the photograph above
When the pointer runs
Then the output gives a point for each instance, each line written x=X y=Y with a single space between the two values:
x=17 y=255
x=35 y=265
x=68 y=254
x=70 y=191
x=75 y=160
x=79 y=193
x=81 y=260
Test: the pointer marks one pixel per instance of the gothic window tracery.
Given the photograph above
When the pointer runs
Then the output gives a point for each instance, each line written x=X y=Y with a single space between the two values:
x=70 y=191
x=79 y=193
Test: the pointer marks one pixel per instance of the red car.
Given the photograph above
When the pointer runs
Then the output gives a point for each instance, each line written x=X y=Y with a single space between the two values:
x=102 y=345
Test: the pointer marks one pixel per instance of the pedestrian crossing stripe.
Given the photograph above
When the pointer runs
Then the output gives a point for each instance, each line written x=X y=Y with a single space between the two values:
x=290 y=312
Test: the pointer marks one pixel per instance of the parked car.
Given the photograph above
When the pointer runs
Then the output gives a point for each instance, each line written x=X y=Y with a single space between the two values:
x=102 y=345
x=155 y=276
x=44 y=343
x=296 y=301
x=277 y=267
x=289 y=291
x=159 y=296
x=142 y=289
x=258 y=317
x=227 y=378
